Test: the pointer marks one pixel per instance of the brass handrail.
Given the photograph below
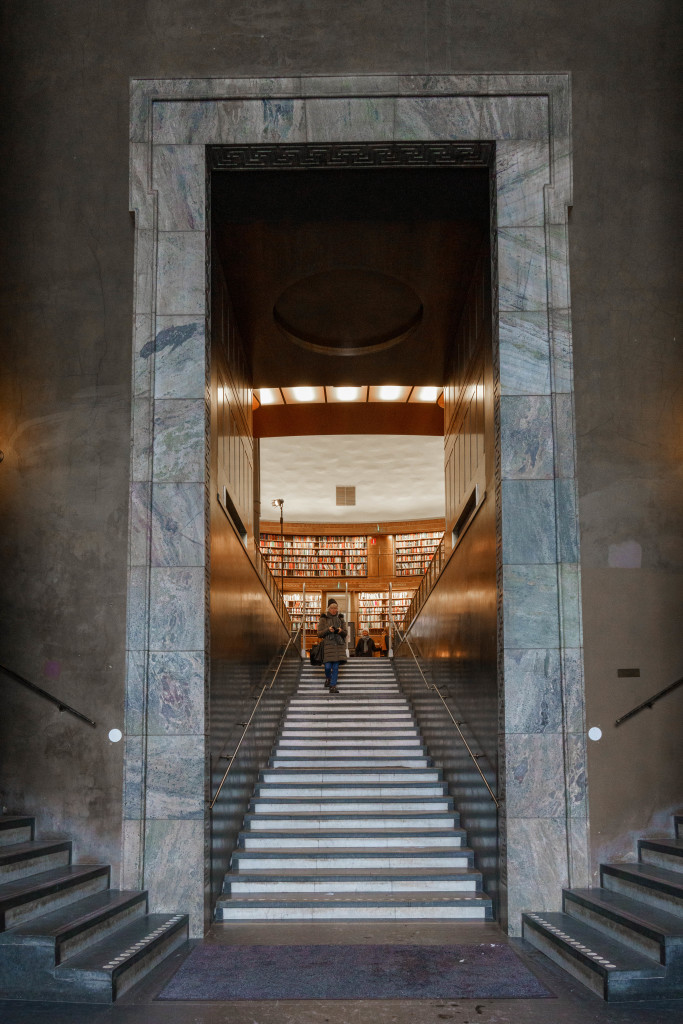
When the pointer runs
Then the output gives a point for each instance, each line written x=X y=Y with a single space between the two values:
x=432 y=686
x=62 y=705
x=651 y=700
x=266 y=686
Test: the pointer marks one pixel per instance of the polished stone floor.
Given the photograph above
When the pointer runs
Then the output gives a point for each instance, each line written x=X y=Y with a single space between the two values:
x=574 y=1004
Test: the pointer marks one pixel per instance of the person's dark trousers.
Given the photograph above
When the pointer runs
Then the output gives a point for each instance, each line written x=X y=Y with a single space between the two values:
x=331 y=672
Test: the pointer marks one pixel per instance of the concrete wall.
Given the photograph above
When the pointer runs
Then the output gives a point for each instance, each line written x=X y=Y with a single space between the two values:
x=66 y=299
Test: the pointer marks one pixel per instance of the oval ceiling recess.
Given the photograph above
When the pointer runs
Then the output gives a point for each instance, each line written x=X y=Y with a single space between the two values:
x=348 y=311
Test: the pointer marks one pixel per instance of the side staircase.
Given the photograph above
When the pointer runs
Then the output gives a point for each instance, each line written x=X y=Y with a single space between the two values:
x=351 y=819
x=65 y=935
x=624 y=940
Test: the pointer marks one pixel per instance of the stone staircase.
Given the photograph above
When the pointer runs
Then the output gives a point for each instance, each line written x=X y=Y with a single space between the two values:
x=624 y=940
x=351 y=820
x=65 y=935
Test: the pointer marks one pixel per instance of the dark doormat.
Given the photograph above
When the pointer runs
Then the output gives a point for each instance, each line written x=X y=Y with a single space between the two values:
x=493 y=971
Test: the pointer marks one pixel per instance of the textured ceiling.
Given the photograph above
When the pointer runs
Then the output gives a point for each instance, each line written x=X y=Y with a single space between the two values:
x=395 y=476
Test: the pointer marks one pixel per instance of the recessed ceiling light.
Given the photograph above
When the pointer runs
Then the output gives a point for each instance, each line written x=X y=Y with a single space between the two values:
x=304 y=394
x=266 y=396
x=428 y=394
x=347 y=394
x=389 y=392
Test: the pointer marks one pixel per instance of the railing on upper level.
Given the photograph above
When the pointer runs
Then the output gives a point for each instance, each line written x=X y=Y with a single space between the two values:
x=272 y=589
x=62 y=705
x=434 y=570
x=650 y=701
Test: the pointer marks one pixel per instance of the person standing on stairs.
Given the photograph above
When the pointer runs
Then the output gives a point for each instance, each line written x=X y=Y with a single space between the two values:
x=332 y=632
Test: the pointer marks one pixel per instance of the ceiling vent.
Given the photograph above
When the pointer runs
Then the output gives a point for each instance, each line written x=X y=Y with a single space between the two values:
x=346 y=495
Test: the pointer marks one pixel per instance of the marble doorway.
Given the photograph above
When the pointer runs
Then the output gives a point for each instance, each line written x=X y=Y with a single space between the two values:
x=525 y=120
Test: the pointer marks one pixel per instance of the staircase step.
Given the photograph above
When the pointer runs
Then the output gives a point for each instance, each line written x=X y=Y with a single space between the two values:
x=350 y=880
x=360 y=822
x=16 y=828
x=66 y=931
x=350 y=775
x=652 y=932
x=23 y=859
x=275 y=838
x=348 y=805
x=106 y=970
x=341 y=746
x=665 y=853
x=652 y=885
x=609 y=968
x=350 y=906
x=326 y=859
x=330 y=790
x=390 y=761
x=347 y=732
x=49 y=890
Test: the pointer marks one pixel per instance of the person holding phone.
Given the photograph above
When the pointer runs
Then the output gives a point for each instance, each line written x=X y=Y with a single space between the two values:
x=332 y=631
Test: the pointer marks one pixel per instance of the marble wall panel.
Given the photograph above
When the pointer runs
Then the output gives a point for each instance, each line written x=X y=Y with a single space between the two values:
x=177 y=609
x=353 y=85
x=526 y=438
x=137 y=607
x=350 y=120
x=139 y=527
x=145 y=263
x=175 y=776
x=530 y=606
x=567 y=521
x=176 y=881
x=575 y=745
x=529 y=521
x=141 y=455
x=178 y=176
x=524 y=354
x=561 y=349
x=178 y=527
x=522 y=281
x=570 y=605
x=133 y=712
x=471 y=118
x=534 y=773
x=141 y=199
x=179 y=349
x=132 y=783
x=538 y=875
x=176 y=693
x=258 y=121
x=522 y=170
x=179 y=440
x=181 y=273
x=143 y=325
x=533 y=691
x=573 y=686
x=132 y=867
x=564 y=435
x=558 y=265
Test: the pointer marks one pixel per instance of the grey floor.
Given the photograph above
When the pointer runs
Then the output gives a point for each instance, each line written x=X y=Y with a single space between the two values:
x=574 y=1004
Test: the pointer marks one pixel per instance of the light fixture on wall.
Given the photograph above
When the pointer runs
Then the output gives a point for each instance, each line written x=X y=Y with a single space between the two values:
x=347 y=394
x=304 y=394
x=280 y=503
x=390 y=393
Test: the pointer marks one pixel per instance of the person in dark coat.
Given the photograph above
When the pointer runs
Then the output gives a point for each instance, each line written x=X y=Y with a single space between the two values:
x=366 y=647
x=332 y=632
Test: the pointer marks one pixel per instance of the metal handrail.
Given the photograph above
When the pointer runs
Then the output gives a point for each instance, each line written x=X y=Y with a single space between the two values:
x=651 y=700
x=272 y=589
x=266 y=686
x=62 y=705
x=432 y=686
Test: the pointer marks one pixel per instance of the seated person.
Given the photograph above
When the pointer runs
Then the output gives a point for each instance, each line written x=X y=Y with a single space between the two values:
x=365 y=648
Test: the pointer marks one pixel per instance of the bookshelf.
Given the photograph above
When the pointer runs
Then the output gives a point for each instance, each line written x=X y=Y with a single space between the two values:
x=373 y=608
x=319 y=556
x=413 y=552
x=294 y=604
